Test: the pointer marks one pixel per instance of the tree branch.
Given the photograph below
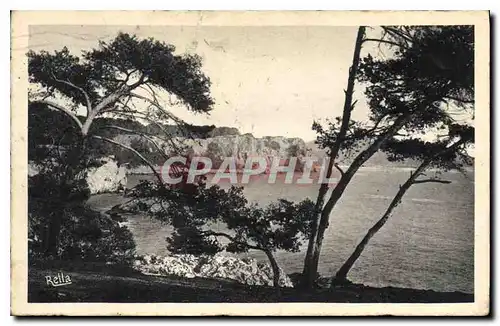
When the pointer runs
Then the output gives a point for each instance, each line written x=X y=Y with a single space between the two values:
x=111 y=98
x=346 y=112
x=63 y=109
x=362 y=157
x=158 y=106
x=127 y=76
x=429 y=160
x=151 y=166
x=85 y=94
x=348 y=105
x=143 y=115
x=144 y=135
x=138 y=83
x=353 y=104
x=394 y=31
x=340 y=169
x=99 y=108
x=383 y=41
x=431 y=180
x=375 y=126
x=233 y=239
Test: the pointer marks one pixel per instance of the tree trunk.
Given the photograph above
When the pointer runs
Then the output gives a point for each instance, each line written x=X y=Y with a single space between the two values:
x=314 y=246
x=341 y=275
x=310 y=269
x=337 y=193
x=73 y=167
x=52 y=235
x=275 y=267
x=320 y=225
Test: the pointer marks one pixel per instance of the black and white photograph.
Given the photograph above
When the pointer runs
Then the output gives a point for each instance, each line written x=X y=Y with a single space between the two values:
x=232 y=158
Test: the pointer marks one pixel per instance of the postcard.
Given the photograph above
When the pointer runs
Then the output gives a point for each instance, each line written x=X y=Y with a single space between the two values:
x=197 y=163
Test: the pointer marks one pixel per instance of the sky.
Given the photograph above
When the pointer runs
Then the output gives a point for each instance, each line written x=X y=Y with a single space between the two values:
x=269 y=81
x=266 y=80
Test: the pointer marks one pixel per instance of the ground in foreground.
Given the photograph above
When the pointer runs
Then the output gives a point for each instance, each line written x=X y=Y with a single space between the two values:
x=97 y=283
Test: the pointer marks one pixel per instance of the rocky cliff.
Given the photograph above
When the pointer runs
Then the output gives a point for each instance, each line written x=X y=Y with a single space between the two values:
x=219 y=147
x=244 y=146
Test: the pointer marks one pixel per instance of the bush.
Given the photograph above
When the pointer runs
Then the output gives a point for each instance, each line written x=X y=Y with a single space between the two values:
x=189 y=241
x=85 y=235
x=82 y=233
x=193 y=211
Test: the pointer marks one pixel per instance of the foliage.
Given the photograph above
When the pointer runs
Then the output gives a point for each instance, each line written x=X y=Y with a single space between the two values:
x=84 y=234
x=423 y=84
x=123 y=78
x=202 y=216
x=189 y=240
x=105 y=70
x=194 y=210
x=430 y=79
x=48 y=128
x=402 y=149
x=419 y=80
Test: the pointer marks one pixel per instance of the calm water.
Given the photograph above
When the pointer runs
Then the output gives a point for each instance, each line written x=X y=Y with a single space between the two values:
x=428 y=242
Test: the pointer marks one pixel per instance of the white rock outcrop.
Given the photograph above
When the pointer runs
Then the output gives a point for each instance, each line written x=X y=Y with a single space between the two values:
x=247 y=271
x=109 y=177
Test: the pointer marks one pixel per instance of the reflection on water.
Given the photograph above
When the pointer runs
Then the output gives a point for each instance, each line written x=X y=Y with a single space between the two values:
x=428 y=242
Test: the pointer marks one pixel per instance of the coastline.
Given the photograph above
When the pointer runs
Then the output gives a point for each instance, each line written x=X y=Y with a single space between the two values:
x=144 y=170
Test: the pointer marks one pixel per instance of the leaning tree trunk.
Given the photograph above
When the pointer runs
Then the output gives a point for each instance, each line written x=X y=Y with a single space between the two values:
x=275 y=268
x=314 y=246
x=341 y=275
x=340 y=188
x=310 y=268
x=323 y=224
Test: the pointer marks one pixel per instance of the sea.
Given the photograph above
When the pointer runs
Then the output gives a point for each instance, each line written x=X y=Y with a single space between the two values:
x=427 y=243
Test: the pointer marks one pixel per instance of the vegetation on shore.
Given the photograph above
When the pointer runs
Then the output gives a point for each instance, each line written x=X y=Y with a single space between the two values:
x=429 y=69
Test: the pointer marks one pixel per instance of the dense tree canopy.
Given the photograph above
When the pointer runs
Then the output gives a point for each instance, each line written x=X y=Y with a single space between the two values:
x=413 y=84
x=126 y=78
x=119 y=67
x=424 y=82
x=202 y=216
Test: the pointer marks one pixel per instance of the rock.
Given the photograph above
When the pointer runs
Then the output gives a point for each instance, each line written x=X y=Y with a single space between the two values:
x=246 y=271
x=109 y=177
x=33 y=169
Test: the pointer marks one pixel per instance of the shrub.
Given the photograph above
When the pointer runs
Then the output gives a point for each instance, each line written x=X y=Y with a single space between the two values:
x=83 y=234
